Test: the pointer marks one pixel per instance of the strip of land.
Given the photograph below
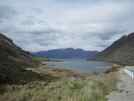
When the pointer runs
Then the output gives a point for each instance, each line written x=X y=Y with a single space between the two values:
x=125 y=87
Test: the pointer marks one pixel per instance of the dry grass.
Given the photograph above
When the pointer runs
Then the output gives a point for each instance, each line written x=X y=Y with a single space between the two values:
x=93 y=88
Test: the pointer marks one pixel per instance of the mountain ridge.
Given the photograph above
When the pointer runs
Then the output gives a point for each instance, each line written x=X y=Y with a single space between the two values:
x=121 y=51
x=64 y=53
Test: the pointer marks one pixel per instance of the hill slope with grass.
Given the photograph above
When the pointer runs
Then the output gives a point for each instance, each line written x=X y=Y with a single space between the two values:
x=10 y=53
x=13 y=60
x=121 y=51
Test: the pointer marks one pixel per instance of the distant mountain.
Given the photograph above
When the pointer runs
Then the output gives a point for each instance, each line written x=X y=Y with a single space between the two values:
x=67 y=53
x=12 y=61
x=121 y=51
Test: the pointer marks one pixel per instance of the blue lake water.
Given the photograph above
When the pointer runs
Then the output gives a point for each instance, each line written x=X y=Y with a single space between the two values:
x=82 y=66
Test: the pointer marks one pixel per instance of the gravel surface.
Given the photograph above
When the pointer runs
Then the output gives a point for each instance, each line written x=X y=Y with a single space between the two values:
x=125 y=89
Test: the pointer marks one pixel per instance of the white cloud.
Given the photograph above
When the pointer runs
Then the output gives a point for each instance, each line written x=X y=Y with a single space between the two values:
x=49 y=24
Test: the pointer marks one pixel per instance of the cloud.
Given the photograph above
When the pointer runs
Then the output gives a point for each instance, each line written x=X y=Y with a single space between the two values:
x=49 y=24
x=6 y=12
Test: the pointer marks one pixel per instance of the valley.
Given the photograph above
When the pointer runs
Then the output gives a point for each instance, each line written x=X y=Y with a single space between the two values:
x=26 y=77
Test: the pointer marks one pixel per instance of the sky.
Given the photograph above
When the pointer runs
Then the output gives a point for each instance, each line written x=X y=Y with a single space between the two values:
x=37 y=25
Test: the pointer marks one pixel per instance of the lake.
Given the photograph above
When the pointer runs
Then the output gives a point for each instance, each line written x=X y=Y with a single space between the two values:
x=82 y=66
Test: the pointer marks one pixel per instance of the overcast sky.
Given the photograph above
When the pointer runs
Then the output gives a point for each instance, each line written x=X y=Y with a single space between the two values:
x=49 y=24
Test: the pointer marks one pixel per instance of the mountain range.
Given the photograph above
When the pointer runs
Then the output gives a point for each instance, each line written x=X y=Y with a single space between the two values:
x=121 y=51
x=67 y=53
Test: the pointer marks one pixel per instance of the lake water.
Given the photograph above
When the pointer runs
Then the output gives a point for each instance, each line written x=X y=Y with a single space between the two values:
x=82 y=66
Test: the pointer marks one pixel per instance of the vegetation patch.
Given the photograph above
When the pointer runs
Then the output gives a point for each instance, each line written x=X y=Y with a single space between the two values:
x=37 y=58
x=93 y=88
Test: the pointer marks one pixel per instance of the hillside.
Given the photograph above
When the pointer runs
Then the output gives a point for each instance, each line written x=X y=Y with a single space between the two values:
x=67 y=53
x=13 y=60
x=121 y=51
x=10 y=53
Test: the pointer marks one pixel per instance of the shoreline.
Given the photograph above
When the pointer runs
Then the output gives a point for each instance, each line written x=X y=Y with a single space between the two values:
x=69 y=66
x=113 y=68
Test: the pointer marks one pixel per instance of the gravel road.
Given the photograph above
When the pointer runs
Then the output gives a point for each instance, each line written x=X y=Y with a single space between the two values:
x=125 y=89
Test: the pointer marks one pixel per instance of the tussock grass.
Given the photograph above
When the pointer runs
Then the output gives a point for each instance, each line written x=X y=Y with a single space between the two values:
x=93 y=88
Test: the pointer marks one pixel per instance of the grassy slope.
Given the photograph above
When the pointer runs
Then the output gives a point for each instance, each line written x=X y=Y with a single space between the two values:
x=37 y=58
x=89 y=88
